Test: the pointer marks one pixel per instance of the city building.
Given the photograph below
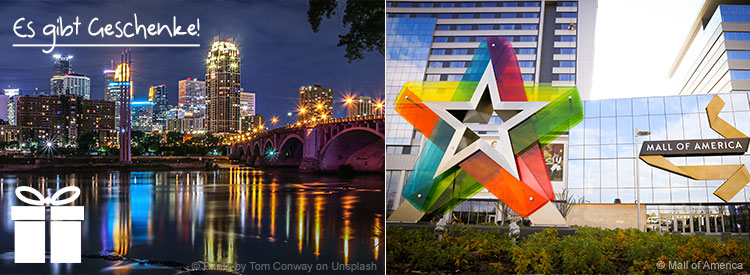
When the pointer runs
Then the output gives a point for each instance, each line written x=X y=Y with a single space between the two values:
x=361 y=106
x=77 y=84
x=192 y=96
x=55 y=118
x=182 y=121
x=158 y=95
x=715 y=56
x=247 y=103
x=60 y=68
x=436 y=40
x=143 y=116
x=223 y=87
x=252 y=123
x=11 y=94
x=117 y=84
x=315 y=103
x=4 y=108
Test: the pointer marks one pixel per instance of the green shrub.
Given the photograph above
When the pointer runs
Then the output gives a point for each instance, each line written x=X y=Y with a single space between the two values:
x=588 y=250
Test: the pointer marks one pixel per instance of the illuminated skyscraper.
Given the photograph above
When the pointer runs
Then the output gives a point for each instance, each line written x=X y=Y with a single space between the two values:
x=114 y=86
x=223 y=87
x=77 y=84
x=192 y=96
x=61 y=67
x=360 y=106
x=316 y=101
x=247 y=103
x=143 y=116
x=11 y=93
x=158 y=95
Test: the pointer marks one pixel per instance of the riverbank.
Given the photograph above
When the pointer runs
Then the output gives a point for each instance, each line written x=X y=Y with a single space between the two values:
x=94 y=163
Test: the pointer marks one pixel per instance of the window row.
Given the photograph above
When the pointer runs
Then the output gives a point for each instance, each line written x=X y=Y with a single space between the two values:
x=621 y=130
x=567 y=4
x=739 y=75
x=486 y=27
x=515 y=38
x=738 y=54
x=402 y=149
x=565 y=38
x=466 y=15
x=662 y=105
x=564 y=64
x=564 y=77
x=566 y=14
x=565 y=50
x=444 y=77
x=465 y=64
x=472 y=51
x=651 y=195
x=464 y=4
x=736 y=35
x=735 y=13
x=566 y=26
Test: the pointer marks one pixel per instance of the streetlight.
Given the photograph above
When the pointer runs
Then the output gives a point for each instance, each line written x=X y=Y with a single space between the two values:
x=638 y=133
x=274 y=120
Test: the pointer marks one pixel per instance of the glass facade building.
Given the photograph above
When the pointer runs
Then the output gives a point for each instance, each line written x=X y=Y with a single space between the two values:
x=715 y=57
x=435 y=40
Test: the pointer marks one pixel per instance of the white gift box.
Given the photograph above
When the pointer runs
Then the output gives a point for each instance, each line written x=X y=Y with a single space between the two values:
x=65 y=227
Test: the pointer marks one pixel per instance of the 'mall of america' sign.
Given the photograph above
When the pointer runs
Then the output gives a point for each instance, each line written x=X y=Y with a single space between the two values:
x=695 y=147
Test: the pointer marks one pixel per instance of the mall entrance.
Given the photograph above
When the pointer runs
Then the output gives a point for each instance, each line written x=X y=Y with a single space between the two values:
x=704 y=218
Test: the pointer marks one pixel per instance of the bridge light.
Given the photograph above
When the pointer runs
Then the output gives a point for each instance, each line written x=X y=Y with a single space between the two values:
x=302 y=110
x=320 y=106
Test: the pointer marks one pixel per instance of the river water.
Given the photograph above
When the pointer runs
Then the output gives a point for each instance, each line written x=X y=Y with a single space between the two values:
x=240 y=220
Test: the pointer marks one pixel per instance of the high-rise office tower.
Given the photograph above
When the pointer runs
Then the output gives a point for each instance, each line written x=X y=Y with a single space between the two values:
x=315 y=102
x=158 y=95
x=247 y=103
x=12 y=94
x=60 y=68
x=118 y=83
x=360 y=106
x=192 y=96
x=715 y=57
x=77 y=84
x=436 y=40
x=109 y=77
x=223 y=87
x=143 y=116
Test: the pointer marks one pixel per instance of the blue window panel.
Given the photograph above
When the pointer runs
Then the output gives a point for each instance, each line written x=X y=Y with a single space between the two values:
x=607 y=107
x=591 y=130
x=444 y=15
x=744 y=55
x=485 y=27
x=530 y=15
x=609 y=173
x=507 y=27
x=527 y=77
x=527 y=39
x=527 y=64
x=625 y=130
x=591 y=172
x=438 y=52
x=576 y=152
x=673 y=105
x=565 y=51
x=531 y=3
x=439 y=39
x=426 y=5
x=488 y=15
x=591 y=108
x=656 y=105
x=508 y=15
x=625 y=151
x=576 y=134
x=467 y=15
x=624 y=107
x=525 y=50
x=735 y=13
x=575 y=174
x=529 y=26
x=567 y=4
x=460 y=51
x=564 y=64
x=564 y=77
x=462 y=39
x=443 y=27
x=566 y=14
x=565 y=38
x=689 y=104
x=737 y=36
x=463 y=27
x=739 y=75
x=640 y=106
x=657 y=126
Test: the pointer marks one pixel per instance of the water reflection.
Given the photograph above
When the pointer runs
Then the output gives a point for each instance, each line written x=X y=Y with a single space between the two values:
x=233 y=214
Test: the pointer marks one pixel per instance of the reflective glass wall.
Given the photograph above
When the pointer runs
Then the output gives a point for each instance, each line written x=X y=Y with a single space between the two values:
x=602 y=148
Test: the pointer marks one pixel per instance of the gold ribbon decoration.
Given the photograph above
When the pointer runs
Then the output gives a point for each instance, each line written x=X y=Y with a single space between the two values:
x=736 y=175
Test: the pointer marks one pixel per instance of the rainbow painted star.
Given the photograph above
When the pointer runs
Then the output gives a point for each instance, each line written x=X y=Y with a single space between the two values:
x=456 y=162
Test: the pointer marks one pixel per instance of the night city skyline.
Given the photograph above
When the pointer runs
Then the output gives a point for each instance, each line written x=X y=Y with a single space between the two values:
x=279 y=50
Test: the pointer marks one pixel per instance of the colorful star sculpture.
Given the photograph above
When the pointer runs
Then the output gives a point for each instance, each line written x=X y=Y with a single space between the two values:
x=456 y=163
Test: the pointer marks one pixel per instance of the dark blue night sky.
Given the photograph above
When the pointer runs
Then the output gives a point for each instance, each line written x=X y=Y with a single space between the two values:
x=279 y=51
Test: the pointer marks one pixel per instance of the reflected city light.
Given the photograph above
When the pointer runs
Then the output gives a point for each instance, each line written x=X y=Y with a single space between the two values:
x=318 y=208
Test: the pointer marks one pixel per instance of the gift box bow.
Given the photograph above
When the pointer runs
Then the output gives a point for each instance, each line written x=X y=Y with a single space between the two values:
x=57 y=212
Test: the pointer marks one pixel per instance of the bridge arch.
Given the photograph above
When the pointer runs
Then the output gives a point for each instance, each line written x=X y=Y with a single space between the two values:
x=290 y=151
x=360 y=147
x=256 y=153
x=240 y=152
